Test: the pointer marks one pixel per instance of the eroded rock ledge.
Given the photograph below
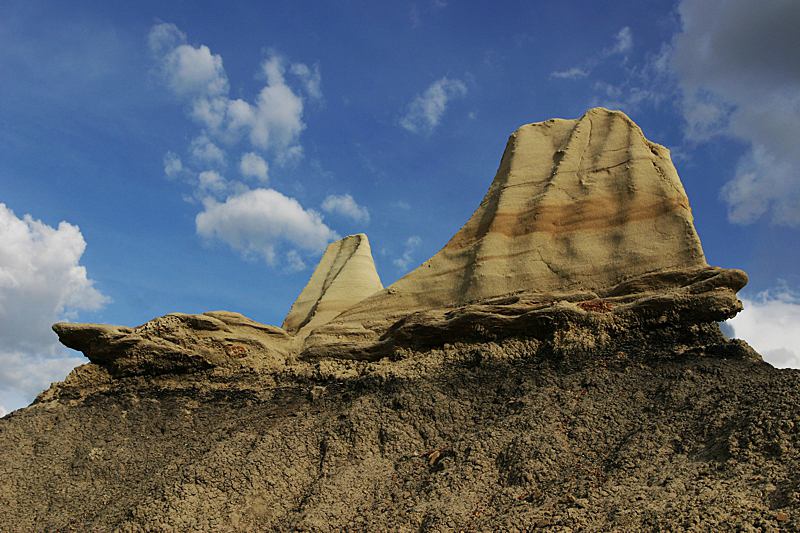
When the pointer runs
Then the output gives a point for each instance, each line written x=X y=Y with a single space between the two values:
x=178 y=343
x=584 y=244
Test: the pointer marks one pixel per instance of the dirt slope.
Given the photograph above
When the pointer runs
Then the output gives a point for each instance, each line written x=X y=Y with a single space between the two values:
x=470 y=437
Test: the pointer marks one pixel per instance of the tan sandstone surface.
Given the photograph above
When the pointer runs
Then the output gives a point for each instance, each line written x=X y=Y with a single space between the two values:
x=345 y=275
x=584 y=203
x=585 y=219
x=576 y=205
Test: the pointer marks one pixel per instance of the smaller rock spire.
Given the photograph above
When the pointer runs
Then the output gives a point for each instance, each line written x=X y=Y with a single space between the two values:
x=345 y=275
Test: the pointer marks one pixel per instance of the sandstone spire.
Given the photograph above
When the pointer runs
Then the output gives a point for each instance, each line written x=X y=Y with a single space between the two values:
x=344 y=276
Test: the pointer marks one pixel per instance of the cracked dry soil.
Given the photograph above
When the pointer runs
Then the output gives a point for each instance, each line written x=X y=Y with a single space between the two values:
x=473 y=437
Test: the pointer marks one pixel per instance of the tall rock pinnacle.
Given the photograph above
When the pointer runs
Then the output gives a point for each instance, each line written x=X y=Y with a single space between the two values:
x=576 y=204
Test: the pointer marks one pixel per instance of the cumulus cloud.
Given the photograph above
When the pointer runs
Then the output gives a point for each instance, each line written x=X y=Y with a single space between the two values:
x=276 y=118
x=770 y=323
x=41 y=282
x=739 y=72
x=211 y=182
x=345 y=205
x=256 y=221
x=410 y=246
x=187 y=70
x=272 y=122
x=253 y=165
x=425 y=112
x=204 y=151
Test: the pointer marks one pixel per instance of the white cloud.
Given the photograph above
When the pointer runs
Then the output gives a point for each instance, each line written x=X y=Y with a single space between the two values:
x=425 y=112
x=41 y=282
x=205 y=151
x=257 y=221
x=252 y=221
x=273 y=122
x=185 y=69
x=253 y=165
x=25 y=374
x=346 y=206
x=739 y=72
x=311 y=79
x=770 y=323
x=574 y=73
x=211 y=182
x=277 y=116
x=173 y=166
x=294 y=263
x=410 y=246
x=624 y=42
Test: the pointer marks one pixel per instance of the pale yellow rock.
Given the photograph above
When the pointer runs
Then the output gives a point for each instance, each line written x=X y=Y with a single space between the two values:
x=576 y=204
x=345 y=275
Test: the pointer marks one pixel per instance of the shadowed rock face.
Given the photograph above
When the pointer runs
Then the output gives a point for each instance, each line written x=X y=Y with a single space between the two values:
x=586 y=225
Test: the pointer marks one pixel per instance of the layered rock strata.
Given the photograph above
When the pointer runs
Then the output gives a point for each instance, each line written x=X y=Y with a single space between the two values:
x=586 y=228
x=579 y=209
x=345 y=275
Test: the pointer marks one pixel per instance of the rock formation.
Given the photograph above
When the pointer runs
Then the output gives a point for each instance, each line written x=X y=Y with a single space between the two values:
x=178 y=342
x=344 y=276
x=576 y=204
x=557 y=366
x=586 y=220
x=580 y=210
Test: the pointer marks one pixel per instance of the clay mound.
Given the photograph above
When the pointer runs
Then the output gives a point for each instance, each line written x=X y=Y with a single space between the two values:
x=582 y=204
x=345 y=275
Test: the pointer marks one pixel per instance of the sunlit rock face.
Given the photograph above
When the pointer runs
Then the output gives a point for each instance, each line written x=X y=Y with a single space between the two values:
x=576 y=205
x=584 y=240
x=345 y=275
x=584 y=203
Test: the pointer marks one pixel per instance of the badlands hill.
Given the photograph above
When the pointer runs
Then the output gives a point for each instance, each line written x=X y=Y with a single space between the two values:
x=557 y=366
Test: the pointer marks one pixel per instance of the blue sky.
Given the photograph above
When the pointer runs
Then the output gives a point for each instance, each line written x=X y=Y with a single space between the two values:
x=195 y=156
